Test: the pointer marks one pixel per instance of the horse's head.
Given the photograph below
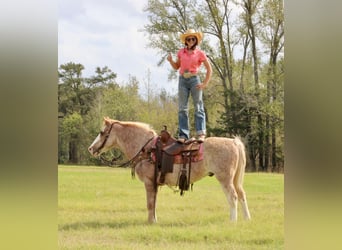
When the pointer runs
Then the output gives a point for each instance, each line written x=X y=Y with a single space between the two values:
x=105 y=140
x=129 y=137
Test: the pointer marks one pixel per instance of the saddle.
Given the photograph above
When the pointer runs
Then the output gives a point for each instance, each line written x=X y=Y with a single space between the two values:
x=168 y=151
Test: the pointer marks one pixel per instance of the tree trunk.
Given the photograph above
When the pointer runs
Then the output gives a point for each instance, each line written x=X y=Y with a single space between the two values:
x=274 y=157
x=249 y=8
x=267 y=143
x=73 y=158
x=226 y=70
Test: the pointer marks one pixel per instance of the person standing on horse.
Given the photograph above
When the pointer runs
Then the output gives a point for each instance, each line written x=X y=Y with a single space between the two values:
x=189 y=60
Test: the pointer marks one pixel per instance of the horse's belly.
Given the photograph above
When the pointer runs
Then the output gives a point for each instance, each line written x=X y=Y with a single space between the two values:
x=197 y=172
x=145 y=171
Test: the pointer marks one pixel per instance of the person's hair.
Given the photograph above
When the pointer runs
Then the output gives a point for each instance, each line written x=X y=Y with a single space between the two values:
x=193 y=46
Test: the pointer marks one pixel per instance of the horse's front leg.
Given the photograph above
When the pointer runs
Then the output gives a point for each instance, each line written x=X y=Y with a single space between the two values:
x=145 y=172
x=151 y=198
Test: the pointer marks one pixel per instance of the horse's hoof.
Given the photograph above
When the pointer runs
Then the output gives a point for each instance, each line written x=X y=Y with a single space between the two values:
x=152 y=222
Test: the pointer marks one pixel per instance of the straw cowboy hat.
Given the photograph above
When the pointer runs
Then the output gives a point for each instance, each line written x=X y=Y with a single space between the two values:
x=191 y=32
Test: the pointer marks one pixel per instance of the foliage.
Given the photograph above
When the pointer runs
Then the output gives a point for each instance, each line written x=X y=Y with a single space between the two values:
x=72 y=124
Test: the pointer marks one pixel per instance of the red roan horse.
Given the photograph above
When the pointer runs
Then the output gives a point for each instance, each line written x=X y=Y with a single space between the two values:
x=223 y=157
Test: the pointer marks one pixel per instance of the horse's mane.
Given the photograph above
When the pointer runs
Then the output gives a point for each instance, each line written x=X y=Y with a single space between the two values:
x=132 y=124
x=142 y=125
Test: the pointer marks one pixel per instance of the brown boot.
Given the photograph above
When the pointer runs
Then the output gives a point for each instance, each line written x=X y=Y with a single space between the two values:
x=201 y=138
x=181 y=140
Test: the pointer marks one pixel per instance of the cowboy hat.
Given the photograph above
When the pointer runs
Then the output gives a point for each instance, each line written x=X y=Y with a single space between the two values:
x=191 y=32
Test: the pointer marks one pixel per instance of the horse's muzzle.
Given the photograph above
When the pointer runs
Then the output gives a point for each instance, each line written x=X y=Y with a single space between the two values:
x=92 y=152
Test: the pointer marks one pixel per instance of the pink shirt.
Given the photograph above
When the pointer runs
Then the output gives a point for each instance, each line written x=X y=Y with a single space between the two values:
x=190 y=62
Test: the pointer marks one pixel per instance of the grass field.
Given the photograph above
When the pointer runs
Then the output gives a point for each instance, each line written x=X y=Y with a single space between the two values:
x=103 y=208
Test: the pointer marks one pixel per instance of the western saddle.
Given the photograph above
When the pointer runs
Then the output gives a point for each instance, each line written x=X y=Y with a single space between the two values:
x=167 y=151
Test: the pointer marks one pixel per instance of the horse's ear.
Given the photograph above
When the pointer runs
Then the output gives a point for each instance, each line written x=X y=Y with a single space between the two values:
x=106 y=120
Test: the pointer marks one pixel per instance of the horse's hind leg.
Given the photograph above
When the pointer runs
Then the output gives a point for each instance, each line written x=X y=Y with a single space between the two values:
x=229 y=190
x=243 y=201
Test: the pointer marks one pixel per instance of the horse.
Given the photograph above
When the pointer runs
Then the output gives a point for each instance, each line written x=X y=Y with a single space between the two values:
x=225 y=158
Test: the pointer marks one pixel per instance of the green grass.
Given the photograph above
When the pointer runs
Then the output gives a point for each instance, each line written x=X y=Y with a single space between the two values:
x=103 y=208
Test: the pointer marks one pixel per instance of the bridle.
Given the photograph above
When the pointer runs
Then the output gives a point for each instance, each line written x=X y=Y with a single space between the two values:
x=106 y=138
x=111 y=163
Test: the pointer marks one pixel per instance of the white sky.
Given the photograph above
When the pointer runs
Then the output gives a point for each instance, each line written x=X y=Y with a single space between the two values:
x=98 y=33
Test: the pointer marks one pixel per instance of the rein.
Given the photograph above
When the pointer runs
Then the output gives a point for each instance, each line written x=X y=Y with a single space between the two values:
x=111 y=163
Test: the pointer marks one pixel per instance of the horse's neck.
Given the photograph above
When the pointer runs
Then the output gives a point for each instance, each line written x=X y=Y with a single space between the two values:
x=133 y=139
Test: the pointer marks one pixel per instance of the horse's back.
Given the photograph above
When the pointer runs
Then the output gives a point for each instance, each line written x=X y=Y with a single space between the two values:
x=214 y=145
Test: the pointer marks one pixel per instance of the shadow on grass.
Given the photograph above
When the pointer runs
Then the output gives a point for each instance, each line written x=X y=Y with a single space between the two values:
x=131 y=223
x=261 y=242
x=98 y=225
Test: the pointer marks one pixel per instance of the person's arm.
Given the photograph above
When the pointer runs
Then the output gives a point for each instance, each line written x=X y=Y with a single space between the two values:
x=207 y=76
x=174 y=65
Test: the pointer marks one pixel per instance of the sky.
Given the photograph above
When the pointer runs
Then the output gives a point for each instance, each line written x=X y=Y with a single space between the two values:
x=98 y=33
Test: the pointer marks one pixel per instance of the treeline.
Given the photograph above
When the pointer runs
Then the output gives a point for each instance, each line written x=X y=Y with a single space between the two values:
x=245 y=96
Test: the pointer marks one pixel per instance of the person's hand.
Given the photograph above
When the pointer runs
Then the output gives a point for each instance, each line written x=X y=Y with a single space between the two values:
x=169 y=57
x=201 y=86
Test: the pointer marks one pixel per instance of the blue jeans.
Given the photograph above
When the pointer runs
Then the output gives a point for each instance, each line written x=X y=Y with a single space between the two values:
x=185 y=87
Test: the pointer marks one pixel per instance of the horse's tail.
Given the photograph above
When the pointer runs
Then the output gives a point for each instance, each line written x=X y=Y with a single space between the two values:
x=240 y=171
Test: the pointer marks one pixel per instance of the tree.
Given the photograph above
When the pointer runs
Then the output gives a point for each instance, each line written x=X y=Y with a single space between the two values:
x=76 y=98
x=71 y=130
x=72 y=99
x=272 y=19
x=72 y=93
x=250 y=7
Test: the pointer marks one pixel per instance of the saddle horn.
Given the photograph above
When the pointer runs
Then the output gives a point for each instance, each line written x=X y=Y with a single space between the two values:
x=164 y=135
